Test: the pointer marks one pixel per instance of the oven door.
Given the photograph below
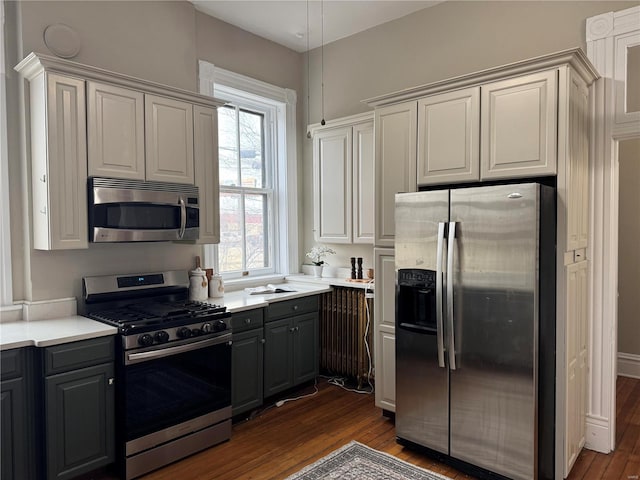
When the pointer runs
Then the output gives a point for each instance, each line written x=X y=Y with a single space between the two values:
x=173 y=384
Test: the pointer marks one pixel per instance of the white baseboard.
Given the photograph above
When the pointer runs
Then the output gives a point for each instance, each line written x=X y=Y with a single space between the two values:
x=597 y=434
x=628 y=365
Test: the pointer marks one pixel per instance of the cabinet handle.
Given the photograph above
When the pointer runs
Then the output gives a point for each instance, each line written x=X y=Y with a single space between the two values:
x=43 y=210
x=295 y=307
x=292 y=329
x=111 y=381
x=247 y=321
x=43 y=178
x=262 y=340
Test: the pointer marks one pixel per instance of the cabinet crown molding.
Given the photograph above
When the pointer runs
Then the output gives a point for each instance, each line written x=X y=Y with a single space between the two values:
x=341 y=122
x=36 y=63
x=574 y=57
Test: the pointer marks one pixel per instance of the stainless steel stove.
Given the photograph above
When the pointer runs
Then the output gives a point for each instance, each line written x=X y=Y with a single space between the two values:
x=173 y=371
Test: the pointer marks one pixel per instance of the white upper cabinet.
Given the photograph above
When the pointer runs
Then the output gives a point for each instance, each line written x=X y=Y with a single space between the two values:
x=332 y=185
x=449 y=137
x=115 y=131
x=169 y=139
x=58 y=162
x=205 y=141
x=343 y=177
x=395 y=169
x=139 y=136
x=86 y=121
x=519 y=127
x=363 y=181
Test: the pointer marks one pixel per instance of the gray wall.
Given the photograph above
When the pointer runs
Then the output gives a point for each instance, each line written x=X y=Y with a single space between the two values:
x=155 y=40
x=450 y=39
x=628 y=241
x=162 y=41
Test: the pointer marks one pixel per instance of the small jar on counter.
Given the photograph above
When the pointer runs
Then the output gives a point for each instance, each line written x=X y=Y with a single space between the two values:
x=216 y=286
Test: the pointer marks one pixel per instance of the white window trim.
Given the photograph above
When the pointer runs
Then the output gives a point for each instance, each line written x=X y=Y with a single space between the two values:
x=6 y=287
x=217 y=82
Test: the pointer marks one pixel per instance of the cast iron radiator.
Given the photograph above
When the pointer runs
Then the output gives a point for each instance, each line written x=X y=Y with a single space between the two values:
x=343 y=326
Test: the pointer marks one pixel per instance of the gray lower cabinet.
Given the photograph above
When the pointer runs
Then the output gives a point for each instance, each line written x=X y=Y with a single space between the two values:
x=79 y=405
x=17 y=461
x=247 y=361
x=291 y=344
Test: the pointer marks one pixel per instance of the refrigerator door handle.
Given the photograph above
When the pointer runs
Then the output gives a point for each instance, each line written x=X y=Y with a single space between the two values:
x=439 y=320
x=452 y=340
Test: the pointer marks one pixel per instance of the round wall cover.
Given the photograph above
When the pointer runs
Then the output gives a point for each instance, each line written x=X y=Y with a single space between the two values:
x=62 y=40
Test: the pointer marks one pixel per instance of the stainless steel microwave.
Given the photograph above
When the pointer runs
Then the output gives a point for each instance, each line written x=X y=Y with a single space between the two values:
x=138 y=211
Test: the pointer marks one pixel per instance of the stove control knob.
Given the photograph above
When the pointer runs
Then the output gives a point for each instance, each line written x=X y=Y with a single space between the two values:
x=145 y=340
x=207 y=328
x=183 y=332
x=219 y=326
x=161 y=337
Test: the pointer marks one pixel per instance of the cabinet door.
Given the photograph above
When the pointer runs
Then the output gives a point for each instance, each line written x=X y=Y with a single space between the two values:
x=449 y=137
x=363 y=182
x=518 y=124
x=115 y=131
x=305 y=348
x=395 y=171
x=205 y=121
x=247 y=376
x=79 y=421
x=576 y=361
x=332 y=185
x=278 y=370
x=384 y=328
x=169 y=139
x=14 y=452
x=59 y=163
x=576 y=147
x=385 y=353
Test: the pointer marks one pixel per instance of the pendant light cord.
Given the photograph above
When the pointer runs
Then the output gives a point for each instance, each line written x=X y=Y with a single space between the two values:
x=322 y=59
x=308 y=75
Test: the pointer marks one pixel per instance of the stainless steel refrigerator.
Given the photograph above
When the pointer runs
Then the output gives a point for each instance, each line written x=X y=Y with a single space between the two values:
x=475 y=326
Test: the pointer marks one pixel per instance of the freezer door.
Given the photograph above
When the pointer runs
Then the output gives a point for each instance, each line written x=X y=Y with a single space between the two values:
x=422 y=396
x=495 y=317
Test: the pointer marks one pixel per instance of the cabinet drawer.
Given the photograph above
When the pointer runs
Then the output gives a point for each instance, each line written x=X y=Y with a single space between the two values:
x=85 y=353
x=248 y=320
x=12 y=363
x=297 y=306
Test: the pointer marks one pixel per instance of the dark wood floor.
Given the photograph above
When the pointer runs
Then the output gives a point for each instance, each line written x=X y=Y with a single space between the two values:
x=280 y=441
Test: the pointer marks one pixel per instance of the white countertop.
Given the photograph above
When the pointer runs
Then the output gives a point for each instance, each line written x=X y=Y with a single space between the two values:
x=240 y=300
x=44 y=333
x=331 y=281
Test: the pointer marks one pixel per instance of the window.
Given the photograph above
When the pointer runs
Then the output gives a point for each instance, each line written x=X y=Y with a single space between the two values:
x=246 y=192
x=258 y=176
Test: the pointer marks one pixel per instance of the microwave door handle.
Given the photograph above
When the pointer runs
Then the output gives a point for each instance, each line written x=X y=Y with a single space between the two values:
x=183 y=217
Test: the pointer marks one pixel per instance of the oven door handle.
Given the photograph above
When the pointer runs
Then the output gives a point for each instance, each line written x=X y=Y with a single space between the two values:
x=132 y=358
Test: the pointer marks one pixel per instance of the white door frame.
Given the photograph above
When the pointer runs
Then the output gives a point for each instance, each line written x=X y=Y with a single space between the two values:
x=608 y=37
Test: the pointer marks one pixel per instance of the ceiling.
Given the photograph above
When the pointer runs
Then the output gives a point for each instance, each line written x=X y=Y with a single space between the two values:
x=285 y=21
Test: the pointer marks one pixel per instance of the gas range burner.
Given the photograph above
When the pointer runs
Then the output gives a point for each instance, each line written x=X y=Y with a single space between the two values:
x=146 y=316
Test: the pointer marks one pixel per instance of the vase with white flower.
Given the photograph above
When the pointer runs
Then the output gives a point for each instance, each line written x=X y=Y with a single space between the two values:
x=316 y=254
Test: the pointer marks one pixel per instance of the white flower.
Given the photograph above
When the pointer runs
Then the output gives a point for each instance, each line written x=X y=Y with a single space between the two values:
x=317 y=252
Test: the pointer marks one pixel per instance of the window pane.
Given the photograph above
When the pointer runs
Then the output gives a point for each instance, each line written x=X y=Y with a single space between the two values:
x=228 y=146
x=251 y=138
x=230 y=250
x=256 y=231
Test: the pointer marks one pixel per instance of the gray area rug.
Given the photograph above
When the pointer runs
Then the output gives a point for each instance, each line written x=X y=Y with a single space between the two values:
x=357 y=461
